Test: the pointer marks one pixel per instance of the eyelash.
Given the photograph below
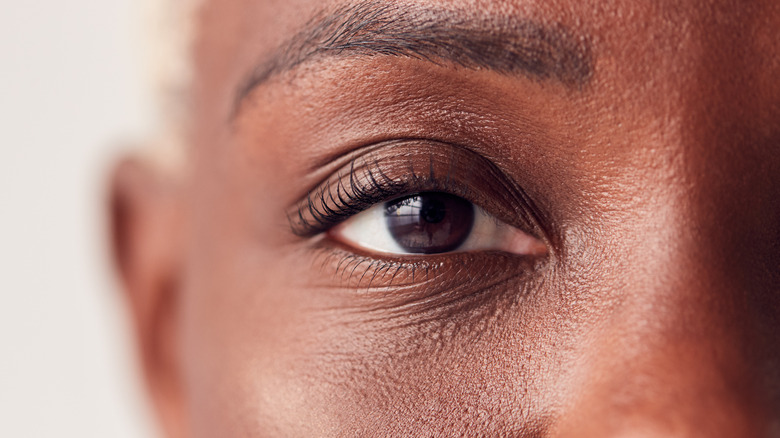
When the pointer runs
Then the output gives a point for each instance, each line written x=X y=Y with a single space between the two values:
x=362 y=191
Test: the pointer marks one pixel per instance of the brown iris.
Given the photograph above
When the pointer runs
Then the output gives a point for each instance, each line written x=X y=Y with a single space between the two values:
x=429 y=222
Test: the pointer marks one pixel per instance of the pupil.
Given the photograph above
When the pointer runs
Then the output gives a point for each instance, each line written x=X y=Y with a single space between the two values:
x=433 y=211
x=430 y=222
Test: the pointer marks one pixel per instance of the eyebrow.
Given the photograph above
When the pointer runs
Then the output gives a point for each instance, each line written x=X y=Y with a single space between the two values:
x=499 y=43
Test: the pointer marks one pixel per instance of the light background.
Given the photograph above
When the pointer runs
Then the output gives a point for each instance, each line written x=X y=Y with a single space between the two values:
x=72 y=91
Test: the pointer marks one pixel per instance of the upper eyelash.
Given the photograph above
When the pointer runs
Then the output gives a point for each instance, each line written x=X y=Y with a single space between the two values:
x=361 y=192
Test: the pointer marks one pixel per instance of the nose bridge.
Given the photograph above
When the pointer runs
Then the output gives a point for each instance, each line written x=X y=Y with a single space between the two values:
x=688 y=345
x=690 y=348
x=686 y=351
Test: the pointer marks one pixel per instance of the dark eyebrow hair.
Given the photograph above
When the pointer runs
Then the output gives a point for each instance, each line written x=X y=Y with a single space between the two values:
x=499 y=43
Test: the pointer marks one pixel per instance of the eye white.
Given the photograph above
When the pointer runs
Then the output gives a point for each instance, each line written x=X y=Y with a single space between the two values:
x=369 y=230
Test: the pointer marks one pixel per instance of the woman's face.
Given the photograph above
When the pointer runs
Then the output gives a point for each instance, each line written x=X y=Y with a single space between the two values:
x=469 y=217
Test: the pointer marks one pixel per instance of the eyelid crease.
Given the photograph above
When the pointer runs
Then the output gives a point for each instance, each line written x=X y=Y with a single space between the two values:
x=400 y=168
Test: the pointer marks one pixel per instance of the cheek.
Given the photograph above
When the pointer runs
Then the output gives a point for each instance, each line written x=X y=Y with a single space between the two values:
x=270 y=347
x=245 y=349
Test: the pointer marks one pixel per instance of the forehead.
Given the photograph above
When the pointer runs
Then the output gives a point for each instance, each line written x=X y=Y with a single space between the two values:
x=663 y=45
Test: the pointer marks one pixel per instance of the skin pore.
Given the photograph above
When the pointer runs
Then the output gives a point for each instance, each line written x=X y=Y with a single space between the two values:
x=631 y=149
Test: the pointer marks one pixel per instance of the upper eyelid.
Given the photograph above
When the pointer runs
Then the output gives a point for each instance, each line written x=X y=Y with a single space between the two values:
x=447 y=168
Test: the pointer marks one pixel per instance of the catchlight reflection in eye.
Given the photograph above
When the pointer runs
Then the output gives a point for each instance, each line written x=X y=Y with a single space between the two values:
x=433 y=223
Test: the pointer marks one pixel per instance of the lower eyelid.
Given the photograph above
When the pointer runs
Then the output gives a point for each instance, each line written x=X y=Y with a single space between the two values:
x=439 y=283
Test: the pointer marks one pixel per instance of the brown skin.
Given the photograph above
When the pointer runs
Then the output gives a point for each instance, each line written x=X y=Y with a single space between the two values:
x=654 y=312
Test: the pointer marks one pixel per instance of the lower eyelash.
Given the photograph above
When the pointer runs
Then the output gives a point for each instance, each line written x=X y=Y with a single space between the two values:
x=361 y=271
x=422 y=289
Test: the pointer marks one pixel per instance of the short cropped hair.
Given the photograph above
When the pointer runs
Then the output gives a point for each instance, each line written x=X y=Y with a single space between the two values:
x=170 y=26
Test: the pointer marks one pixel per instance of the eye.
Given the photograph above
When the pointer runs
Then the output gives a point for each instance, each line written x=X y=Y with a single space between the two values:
x=432 y=223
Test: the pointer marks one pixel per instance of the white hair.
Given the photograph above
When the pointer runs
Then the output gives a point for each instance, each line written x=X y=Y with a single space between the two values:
x=170 y=27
